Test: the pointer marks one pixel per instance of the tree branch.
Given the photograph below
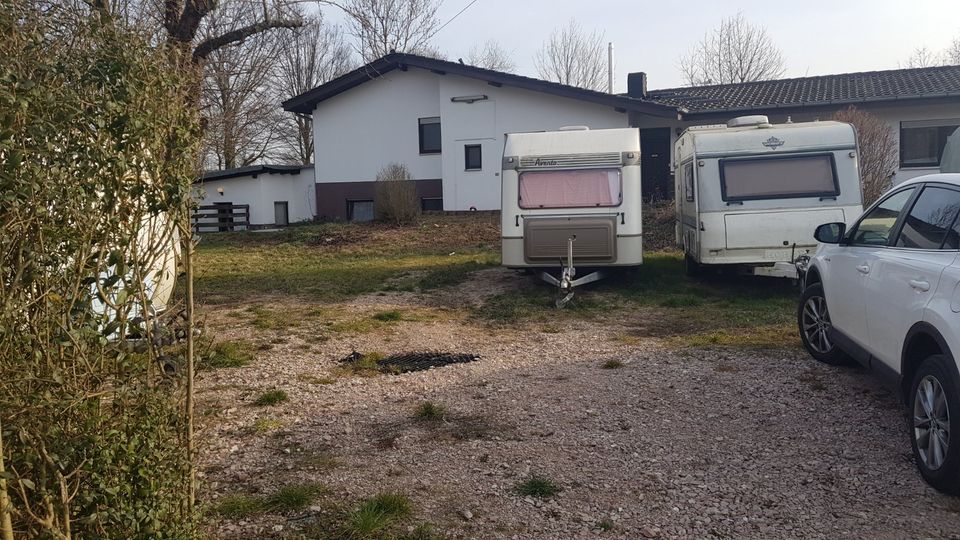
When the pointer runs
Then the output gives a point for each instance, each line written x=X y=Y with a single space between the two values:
x=206 y=47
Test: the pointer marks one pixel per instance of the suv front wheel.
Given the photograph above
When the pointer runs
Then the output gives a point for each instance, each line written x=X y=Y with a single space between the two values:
x=813 y=318
x=935 y=424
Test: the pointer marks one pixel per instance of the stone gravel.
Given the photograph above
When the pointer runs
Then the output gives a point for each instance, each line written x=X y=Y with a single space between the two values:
x=677 y=443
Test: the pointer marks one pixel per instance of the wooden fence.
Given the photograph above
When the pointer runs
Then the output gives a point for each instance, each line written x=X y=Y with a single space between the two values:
x=221 y=217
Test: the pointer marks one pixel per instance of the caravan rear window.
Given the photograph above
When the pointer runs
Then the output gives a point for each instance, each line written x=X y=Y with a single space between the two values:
x=578 y=188
x=778 y=177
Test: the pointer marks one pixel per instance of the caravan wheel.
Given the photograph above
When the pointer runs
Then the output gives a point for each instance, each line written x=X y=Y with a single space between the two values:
x=691 y=266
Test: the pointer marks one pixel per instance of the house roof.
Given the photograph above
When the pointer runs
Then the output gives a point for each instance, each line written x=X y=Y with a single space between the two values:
x=846 y=88
x=306 y=102
x=253 y=170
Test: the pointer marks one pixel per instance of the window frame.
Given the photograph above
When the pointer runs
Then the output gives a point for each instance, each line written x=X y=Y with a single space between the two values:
x=429 y=121
x=618 y=203
x=350 y=202
x=466 y=157
x=689 y=182
x=901 y=221
x=920 y=124
x=423 y=200
x=895 y=230
x=796 y=195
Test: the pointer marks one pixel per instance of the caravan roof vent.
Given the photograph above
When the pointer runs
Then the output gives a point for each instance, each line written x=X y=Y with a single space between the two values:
x=574 y=128
x=744 y=121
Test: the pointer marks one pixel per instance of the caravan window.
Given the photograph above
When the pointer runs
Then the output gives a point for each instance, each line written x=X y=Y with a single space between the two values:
x=778 y=177
x=578 y=188
x=688 y=182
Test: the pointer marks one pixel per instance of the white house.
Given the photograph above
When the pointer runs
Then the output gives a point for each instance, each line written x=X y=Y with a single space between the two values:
x=446 y=121
x=276 y=194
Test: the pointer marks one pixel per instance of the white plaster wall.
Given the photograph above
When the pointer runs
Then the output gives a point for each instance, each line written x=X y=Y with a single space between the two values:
x=507 y=110
x=359 y=131
x=299 y=190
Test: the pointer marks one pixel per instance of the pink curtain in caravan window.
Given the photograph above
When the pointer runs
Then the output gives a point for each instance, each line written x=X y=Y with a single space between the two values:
x=567 y=189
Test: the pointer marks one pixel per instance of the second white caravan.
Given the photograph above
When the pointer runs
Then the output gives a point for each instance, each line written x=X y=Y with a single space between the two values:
x=750 y=193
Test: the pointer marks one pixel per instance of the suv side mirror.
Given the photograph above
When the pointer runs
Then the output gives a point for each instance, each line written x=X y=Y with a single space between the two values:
x=830 y=233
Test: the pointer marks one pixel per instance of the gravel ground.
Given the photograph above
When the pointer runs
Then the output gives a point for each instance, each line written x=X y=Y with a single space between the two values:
x=689 y=443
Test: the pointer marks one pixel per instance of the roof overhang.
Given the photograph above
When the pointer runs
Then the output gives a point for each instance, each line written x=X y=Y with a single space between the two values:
x=305 y=103
x=253 y=171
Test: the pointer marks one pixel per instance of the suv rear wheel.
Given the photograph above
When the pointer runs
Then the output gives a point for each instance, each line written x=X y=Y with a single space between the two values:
x=813 y=319
x=935 y=424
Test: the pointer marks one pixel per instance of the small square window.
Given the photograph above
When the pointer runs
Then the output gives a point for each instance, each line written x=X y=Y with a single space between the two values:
x=431 y=204
x=430 y=135
x=472 y=157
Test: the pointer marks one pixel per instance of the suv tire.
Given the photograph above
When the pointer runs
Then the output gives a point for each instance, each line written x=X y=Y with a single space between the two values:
x=934 y=407
x=813 y=321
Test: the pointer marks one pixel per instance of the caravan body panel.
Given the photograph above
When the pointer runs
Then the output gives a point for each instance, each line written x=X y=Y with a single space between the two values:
x=581 y=184
x=753 y=195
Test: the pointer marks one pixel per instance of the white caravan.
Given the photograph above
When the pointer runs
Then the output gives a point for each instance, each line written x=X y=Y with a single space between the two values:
x=571 y=197
x=751 y=193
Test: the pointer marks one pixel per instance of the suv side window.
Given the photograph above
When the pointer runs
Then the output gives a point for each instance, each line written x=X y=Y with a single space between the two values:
x=875 y=227
x=927 y=224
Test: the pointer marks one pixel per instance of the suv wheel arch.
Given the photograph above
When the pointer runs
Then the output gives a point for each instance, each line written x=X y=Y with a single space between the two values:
x=922 y=341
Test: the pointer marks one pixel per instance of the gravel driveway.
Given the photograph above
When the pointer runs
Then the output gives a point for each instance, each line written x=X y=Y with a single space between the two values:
x=676 y=443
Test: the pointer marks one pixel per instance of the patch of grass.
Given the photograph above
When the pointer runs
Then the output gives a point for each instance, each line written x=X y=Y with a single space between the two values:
x=238 y=506
x=293 y=497
x=455 y=274
x=388 y=316
x=228 y=354
x=605 y=525
x=423 y=531
x=535 y=303
x=627 y=339
x=376 y=514
x=681 y=301
x=270 y=397
x=268 y=319
x=367 y=366
x=757 y=337
x=429 y=411
x=266 y=425
x=537 y=486
x=613 y=363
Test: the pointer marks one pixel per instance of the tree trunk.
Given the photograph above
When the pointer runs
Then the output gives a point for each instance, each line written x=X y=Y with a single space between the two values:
x=6 y=523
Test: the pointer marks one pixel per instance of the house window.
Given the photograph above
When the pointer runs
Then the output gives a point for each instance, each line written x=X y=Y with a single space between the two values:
x=472 y=158
x=360 y=210
x=431 y=204
x=921 y=143
x=430 y=135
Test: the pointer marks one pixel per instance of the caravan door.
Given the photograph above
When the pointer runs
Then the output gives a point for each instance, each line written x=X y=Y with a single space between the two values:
x=689 y=226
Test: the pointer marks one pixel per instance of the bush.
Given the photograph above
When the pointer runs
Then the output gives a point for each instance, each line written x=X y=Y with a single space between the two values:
x=878 y=151
x=395 y=195
x=96 y=139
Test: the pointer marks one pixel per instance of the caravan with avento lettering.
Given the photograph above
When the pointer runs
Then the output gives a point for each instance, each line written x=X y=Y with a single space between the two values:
x=571 y=198
x=750 y=193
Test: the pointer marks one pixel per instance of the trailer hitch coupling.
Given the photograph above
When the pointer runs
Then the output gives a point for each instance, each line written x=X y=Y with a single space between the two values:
x=568 y=273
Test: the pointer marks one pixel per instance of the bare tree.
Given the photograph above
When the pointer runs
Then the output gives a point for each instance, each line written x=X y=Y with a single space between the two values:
x=491 y=55
x=923 y=57
x=734 y=52
x=574 y=57
x=878 y=151
x=382 y=26
x=316 y=54
x=952 y=53
x=241 y=112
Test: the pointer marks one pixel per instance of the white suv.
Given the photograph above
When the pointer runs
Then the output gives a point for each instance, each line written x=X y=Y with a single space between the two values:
x=892 y=283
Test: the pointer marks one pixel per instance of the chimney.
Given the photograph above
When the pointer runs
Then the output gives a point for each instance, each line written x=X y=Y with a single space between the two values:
x=637 y=85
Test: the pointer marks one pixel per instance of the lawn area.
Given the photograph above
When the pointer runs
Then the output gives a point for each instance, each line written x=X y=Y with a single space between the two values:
x=335 y=262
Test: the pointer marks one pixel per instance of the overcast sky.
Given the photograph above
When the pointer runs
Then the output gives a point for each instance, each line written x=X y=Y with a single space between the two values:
x=816 y=37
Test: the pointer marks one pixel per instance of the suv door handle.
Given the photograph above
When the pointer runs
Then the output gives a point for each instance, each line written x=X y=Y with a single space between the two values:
x=863 y=269
x=920 y=285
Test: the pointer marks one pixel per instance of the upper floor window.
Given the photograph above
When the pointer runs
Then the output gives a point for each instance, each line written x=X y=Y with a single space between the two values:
x=430 y=135
x=472 y=157
x=922 y=142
